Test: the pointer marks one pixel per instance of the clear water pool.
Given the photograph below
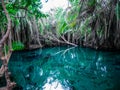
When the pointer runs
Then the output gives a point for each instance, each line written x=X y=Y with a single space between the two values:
x=65 y=68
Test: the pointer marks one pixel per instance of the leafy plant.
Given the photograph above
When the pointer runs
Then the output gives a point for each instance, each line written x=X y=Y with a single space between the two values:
x=84 y=27
x=62 y=25
x=17 y=45
x=91 y=3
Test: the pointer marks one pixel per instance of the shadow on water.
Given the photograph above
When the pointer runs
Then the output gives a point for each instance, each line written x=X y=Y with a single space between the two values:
x=65 y=68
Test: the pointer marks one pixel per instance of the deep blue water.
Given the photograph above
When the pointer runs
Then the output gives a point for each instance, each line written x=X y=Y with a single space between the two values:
x=65 y=68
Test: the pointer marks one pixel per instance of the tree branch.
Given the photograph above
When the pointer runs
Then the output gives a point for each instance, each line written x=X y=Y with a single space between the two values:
x=8 y=25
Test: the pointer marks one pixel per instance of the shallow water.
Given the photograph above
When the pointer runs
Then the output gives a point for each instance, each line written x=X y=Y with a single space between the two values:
x=65 y=68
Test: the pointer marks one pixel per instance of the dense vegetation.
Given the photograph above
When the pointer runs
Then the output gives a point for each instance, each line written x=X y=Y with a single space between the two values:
x=89 y=23
x=93 y=23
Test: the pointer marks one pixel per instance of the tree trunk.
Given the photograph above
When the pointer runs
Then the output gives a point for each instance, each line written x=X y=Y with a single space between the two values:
x=2 y=42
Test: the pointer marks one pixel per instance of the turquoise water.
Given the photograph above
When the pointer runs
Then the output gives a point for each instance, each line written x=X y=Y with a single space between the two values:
x=65 y=68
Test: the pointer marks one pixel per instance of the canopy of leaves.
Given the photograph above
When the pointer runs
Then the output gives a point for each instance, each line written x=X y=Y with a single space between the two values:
x=30 y=8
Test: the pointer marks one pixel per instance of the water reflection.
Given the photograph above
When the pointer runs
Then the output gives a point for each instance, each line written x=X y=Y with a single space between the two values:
x=66 y=68
x=53 y=85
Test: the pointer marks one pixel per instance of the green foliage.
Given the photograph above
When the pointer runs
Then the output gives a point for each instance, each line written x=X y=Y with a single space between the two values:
x=91 y=3
x=85 y=28
x=100 y=32
x=74 y=2
x=62 y=25
x=66 y=20
x=2 y=19
x=17 y=45
x=88 y=30
x=71 y=19
x=20 y=8
x=117 y=9
x=78 y=19
x=32 y=7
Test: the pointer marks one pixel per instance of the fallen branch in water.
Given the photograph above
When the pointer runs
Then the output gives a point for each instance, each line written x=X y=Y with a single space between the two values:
x=64 y=51
x=52 y=37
